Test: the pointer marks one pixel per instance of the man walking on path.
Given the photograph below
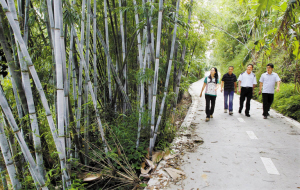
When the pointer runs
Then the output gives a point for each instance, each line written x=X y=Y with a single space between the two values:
x=229 y=84
x=247 y=82
x=267 y=84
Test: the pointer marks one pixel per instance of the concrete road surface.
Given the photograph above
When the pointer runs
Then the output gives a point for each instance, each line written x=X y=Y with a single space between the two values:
x=242 y=152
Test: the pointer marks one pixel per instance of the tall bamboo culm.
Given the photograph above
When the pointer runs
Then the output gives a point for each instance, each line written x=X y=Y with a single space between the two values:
x=37 y=82
x=86 y=109
x=79 y=100
x=157 y=56
x=123 y=52
x=95 y=49
x=107 y=60
x=114 y=72
x=142 y=100
x=168 y=72
x=90 y=88
x=60 y=60
x=8 y=159
x=182 y=62
x=30 y=102
x=25 y=150
x=3 y=176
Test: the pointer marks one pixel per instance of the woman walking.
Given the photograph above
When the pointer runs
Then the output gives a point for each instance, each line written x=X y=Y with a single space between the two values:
x=212 y=84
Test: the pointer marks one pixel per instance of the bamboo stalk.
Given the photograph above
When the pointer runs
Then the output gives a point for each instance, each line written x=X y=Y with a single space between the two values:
x=3 y=177
x=86 y=109
x=142 y=101
x=60 y=60
x=79 y=100
x=108 y=61
x=114 y=72
x=168 y=73
x=8 y=113
x=26 y=28
x=59 y=78
x=51 y=20
x=8 y=159
x=37 y=84
x=30 y=103
x=123 y=53
x=151 y=145
x=182 y=63
x=140 y=55
x=95 y=49
x=15 y=75
x=83 y=63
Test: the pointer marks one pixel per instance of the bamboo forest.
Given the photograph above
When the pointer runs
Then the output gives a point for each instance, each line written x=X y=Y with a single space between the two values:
x=90 y=89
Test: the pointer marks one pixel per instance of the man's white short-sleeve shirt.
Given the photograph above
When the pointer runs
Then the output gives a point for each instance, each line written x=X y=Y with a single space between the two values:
x=269 y=81
x=247 y=80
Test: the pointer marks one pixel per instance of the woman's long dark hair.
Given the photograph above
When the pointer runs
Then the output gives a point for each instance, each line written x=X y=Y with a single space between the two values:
x=216 y=75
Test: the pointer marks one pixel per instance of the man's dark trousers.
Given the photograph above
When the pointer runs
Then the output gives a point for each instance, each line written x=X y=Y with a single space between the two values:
x=246 y=92
x=267 y=102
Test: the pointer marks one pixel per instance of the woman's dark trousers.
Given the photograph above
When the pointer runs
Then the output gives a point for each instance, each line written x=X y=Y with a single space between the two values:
x=210 y=105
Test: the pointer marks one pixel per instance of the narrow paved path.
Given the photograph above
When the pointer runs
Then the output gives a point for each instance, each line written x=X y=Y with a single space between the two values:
x=242 y=153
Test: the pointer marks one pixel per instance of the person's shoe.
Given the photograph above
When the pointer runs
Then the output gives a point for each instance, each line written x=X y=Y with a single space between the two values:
x=230 y=113
x=207 y=119
x=247 y=114
x=265 y=117
x=211 y=116
x=225 y=110
x=240 y=111
x=267 y=114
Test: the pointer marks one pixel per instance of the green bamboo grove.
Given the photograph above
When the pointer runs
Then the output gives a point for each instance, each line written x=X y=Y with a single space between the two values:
x=92 y=86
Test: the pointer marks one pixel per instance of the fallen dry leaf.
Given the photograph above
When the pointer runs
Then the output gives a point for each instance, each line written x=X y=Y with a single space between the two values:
x=174 y=173
x=157 y=156
x=143 y=170
x=150 y=163
x=91 y=177
x=168 y=156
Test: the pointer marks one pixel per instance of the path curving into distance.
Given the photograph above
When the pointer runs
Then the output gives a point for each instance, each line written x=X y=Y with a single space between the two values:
x=241 y=153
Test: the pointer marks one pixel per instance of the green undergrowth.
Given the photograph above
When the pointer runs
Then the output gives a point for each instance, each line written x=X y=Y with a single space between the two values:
x=286 y=101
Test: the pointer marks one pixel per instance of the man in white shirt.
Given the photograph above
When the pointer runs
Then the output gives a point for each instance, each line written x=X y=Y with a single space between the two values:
x=247 y=83
x=267 y=84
